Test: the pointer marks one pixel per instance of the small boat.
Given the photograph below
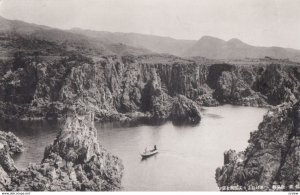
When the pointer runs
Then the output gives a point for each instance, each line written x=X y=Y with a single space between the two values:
x=147 y=154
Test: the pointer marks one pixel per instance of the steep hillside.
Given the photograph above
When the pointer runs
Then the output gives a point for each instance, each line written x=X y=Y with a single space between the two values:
x=156 y=44
x=68 y=40
x=209 y=47
x=107 y=43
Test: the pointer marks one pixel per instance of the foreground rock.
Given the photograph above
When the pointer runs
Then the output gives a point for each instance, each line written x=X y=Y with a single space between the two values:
x=271 y=161
x=14 y=144
x=9 y=145
x=75 y=161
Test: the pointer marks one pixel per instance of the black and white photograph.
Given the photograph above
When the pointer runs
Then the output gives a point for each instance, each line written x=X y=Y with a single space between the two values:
x=149 y=96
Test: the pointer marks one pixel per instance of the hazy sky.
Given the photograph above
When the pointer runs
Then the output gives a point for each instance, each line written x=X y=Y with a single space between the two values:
x=257 y=22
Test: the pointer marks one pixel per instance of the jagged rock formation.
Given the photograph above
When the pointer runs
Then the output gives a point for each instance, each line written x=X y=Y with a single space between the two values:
x=44 y=71
x=14 y=144
x=185 y=111
x=129 y=87
x=272 y=157
x=9 y=145
x=75 y=161
x=6 y=165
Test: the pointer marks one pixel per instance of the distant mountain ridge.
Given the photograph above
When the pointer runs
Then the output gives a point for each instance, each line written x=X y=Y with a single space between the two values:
x=107 y=43
x=154 y=43
x=207 y=46
x=62 y=38
x=215 y=48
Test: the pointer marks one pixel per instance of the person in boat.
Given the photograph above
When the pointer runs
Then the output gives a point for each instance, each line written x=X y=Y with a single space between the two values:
x=154 y=148
x=151 y=150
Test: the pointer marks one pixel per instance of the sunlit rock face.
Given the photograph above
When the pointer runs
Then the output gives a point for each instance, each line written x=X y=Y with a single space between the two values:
x=76 y=152
x=272 y=157
x=74 y=161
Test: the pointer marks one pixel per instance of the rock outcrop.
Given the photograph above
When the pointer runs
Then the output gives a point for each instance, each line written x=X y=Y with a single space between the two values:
x=14 y=144
x=9 y=145
x=126 y=87
x=185 y=111
x=271 y=161
x=75 y=161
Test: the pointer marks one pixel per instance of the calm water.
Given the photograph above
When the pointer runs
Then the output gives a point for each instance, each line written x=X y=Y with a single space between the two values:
x=35 y=135
x=187 y=158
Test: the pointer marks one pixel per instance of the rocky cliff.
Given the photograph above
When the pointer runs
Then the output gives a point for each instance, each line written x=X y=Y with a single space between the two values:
x=44 y=72
x=9 y=145
x=75 y=161
x=131 y=87
x=271 y=161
